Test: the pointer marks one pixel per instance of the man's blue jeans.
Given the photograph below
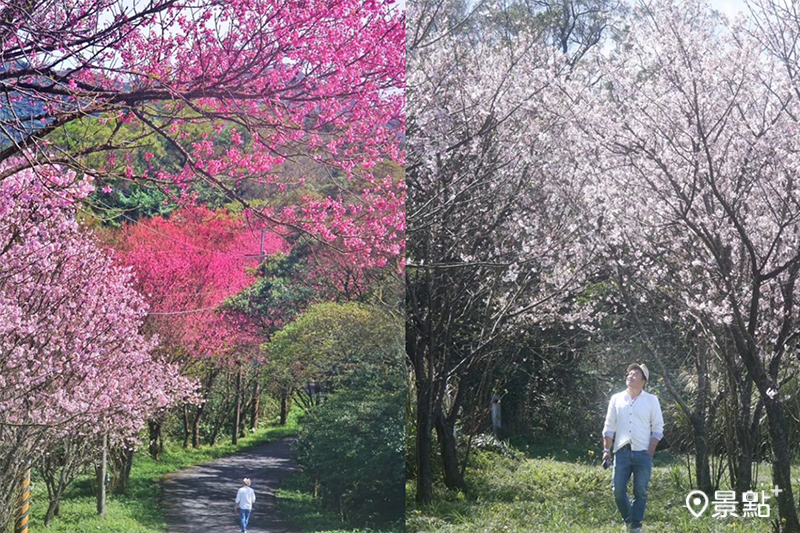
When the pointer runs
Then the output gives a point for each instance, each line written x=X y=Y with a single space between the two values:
x=640 y=464
x=244 y=517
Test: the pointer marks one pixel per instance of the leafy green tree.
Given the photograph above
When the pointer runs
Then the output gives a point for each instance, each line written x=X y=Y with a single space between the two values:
x=342 y=346
x=353 y=442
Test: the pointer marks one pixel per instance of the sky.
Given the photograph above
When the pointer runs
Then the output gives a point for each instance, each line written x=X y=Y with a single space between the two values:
x=729 y=7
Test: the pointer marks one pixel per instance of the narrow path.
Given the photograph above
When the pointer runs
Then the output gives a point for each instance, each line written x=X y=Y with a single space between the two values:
x=200 y=499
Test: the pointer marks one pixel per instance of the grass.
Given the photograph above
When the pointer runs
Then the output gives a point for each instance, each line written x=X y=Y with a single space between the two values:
x=518 y=493
x=140 y=511
x=296 y=503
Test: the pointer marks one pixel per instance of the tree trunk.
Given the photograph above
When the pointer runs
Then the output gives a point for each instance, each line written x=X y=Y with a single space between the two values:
x=102 y=470
x=196 y=426
x=744 y=467
x=237 y=410
x=254 y=412
x=702 y=465
x=782 y=466
x=445 y=432
x=200 y=410
x=52 y=510
x=185 y=426
x=156 y=445
x=424 y=443
x=284 y=407
x=125 y=472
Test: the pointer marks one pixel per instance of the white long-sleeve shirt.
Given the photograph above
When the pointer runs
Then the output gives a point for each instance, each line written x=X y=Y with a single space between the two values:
x=245 y=498
x=633 y=422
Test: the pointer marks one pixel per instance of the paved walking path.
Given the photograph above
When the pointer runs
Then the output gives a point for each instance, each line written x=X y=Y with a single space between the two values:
x=200 y=499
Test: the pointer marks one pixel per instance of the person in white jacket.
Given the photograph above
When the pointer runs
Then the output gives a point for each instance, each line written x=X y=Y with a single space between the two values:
x=634 y=424
x=245 y=498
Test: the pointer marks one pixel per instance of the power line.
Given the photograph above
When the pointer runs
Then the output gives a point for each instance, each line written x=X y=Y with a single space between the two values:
x=188 y=311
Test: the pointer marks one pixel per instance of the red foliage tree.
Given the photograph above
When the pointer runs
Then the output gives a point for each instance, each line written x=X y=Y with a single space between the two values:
x=185 y=266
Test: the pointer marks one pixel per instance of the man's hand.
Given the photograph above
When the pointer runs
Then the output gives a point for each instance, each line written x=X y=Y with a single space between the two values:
x=606 y=456
x=651 y=451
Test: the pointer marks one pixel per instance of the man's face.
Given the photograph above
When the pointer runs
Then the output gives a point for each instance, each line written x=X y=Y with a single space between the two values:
x=635 y=378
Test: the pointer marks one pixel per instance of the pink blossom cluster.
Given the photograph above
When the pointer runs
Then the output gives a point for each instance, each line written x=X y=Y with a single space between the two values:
x=371 y=230
x=320 y=80
x=490 y=193
x=72 y=358
x=688 y=151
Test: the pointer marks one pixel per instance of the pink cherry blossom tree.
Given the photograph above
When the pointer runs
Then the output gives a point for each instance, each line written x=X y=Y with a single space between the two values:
x=185 y=266
x=313 y=80
x=496 y=233
x=72 y=359
x=688 y=141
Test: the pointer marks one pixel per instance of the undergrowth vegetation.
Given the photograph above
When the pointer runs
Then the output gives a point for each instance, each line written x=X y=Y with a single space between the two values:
x=508 y=491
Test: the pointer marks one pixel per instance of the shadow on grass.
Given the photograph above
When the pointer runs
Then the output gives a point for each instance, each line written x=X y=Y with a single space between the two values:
x=572 y=453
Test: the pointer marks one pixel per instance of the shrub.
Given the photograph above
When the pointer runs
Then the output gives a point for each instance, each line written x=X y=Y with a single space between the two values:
x=353 y=446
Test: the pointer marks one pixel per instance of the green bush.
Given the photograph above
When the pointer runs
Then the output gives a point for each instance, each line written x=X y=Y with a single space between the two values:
x=353 y=446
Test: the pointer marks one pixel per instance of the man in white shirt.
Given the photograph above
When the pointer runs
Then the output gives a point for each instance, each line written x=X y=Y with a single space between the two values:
x=635 y=425
x=244 y=503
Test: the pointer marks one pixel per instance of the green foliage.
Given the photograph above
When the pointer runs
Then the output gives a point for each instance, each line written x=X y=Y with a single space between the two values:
x=353 y=446
x=279 y=293
x=341 y=345
x=353 y=443
x=118 y=197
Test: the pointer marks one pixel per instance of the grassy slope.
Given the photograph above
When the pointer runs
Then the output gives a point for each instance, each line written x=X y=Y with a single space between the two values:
x=551 y=496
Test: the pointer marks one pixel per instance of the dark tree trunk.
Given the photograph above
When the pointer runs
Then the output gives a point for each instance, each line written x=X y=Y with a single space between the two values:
x=237 y=410
x=284 y=407
x=702 y=465
x=156 y=445
x=200 y=410
x=782 y=466
x=445 y=432
x=782 y=461
x=196 y=425
x=254 y=412
x=424 y=445
x=185 y=426
x=52 y=510
x=125 y=471
x=212 y=441
x=102 y=471
x=744 y=467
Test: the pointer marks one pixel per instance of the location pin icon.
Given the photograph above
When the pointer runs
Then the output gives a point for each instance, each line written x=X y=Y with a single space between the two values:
x=697 y=502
